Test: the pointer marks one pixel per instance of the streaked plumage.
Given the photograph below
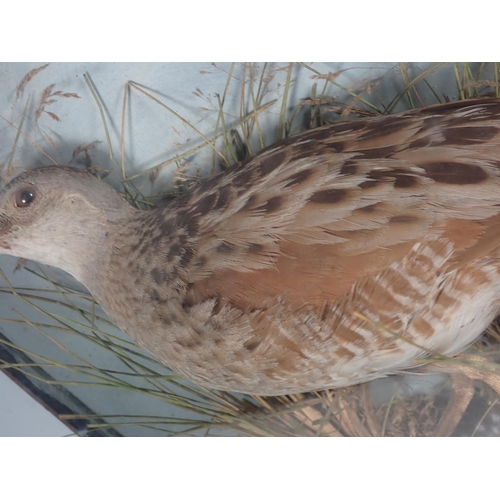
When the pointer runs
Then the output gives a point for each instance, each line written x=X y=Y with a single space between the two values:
x=255 y=281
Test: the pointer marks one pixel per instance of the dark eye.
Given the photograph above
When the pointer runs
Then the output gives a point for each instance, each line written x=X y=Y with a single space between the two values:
x=24 y=197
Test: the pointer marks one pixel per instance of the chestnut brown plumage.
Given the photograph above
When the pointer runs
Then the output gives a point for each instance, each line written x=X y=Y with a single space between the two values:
x=293 y=270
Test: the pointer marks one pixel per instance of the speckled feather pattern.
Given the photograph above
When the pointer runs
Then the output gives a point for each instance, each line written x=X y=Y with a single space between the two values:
x=252 y=281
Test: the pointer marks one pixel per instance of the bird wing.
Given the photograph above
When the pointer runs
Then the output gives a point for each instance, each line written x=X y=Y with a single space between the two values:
x=310 y=216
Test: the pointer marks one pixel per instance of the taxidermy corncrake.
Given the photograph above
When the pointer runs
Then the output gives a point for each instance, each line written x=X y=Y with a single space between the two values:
x=335 y=257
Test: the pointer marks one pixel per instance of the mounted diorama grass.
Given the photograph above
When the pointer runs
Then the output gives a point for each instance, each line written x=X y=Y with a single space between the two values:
x=65 y=316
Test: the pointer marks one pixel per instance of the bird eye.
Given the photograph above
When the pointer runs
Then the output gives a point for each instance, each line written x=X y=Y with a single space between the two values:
x=24 y=197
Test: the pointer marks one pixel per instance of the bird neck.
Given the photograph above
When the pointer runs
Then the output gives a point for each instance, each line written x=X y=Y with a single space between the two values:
x=78 y=241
